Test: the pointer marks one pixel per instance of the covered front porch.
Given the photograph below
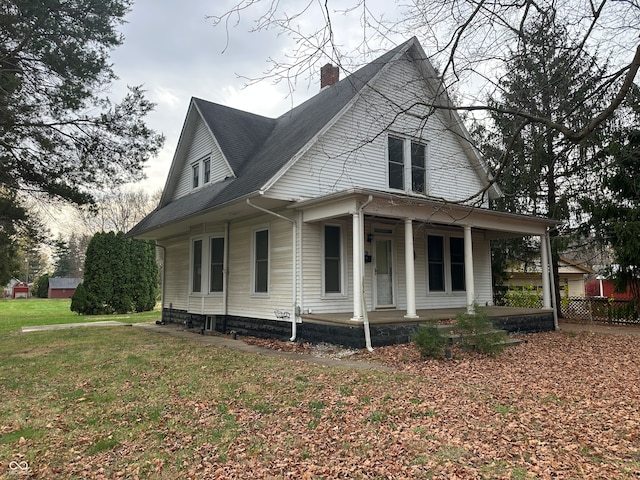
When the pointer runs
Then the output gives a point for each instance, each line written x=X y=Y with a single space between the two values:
x=423 y=279
x=388 y=327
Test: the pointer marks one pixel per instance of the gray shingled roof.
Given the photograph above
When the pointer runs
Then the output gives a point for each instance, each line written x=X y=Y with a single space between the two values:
x=258 y=147
x=64 y=283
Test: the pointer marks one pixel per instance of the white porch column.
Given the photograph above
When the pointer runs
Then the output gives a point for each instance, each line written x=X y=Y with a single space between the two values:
x=409 y=269
x=356 y=267
x=468 y=270
x=546 y=271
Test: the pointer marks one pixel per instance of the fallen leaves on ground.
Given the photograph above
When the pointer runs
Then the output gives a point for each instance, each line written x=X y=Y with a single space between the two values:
x=561 y=406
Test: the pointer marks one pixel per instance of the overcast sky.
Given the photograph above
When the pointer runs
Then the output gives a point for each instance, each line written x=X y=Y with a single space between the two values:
x=175 y=52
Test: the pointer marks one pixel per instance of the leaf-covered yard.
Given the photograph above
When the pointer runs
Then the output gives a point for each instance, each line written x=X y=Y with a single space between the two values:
x=127 y=403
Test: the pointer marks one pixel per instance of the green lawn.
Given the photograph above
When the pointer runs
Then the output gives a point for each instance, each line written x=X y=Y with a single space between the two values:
x=21 y=312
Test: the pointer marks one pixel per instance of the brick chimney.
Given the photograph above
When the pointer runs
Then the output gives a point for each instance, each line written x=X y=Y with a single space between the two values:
x=329 y=75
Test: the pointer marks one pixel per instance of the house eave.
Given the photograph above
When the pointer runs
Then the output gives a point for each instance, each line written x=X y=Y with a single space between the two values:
x=234 y=209
x=422 y=209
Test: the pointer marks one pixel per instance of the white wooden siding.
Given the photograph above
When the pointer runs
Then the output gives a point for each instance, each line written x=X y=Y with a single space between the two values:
x=353 y=152
x=176 y=273
x=241 y=301
x=201 y=146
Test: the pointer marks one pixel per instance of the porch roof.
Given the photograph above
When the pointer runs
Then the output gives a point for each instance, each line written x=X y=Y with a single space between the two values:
x=422 y=209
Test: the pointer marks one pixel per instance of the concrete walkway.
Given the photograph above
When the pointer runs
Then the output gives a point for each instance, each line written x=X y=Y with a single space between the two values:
x=62 y=326
x=220 y=341
x=226 y=342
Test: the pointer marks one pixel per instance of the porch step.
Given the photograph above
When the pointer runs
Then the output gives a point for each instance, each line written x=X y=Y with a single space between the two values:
x=455 y=338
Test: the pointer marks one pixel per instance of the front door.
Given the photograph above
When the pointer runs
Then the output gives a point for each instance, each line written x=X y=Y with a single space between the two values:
x=384 y=273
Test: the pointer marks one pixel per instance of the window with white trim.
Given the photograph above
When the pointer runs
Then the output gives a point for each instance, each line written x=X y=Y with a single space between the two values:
x=195 y=175
x=216 y=264
x=201 y=172
x=261 y=261
x=445 y=264
x=333 y=264
x=206 y=166
x=456 y=253
x=207 y=265
x=196 y=266
x=407 y=165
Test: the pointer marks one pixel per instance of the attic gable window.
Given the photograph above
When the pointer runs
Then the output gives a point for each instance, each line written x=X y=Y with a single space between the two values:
x=207 y=170
x=195 y=175
x=407 y=165
x=201 y=172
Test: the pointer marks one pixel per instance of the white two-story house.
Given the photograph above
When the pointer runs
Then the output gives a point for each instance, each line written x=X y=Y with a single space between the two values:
x=360 y=211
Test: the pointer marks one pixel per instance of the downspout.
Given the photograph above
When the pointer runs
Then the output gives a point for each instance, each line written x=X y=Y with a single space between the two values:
x=164 y=274
x=294 y=229
x=225 y=298
x=365 y=316
x=553 y=282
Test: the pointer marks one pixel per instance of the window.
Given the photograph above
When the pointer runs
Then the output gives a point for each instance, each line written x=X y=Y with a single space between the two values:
x=445 y=256
x=435 y=252
x=207 y=170
x=216 y=262
x=456 y=249
x=261 y=262
x=396 y=163
x=418 y=168
x=207 y=265
x=195 y=171
x=196 y=273
x=332 y=259
x=405 y=175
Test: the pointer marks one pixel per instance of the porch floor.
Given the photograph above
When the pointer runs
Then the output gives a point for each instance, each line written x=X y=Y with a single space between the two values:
x=393 y=317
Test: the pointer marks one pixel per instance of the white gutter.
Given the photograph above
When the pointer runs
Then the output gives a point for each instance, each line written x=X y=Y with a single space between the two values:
x=294 y=270
x=225 y=286
x=365 y=316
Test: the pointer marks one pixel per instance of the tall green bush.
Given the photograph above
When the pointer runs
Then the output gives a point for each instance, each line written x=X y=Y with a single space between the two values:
x=120 y=276
x=40 y=288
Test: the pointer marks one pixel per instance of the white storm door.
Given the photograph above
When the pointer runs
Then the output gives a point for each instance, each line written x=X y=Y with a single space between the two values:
x=384 y=273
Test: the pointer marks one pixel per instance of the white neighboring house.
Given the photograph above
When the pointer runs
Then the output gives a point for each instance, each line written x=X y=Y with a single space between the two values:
x=351 y=203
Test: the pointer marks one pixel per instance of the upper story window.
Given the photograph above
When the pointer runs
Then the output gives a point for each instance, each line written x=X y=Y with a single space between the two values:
x=201 y=172
x=195 y=175
x=409 y=176
x=418 y=167
x=206 y=166
x=396 y=163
